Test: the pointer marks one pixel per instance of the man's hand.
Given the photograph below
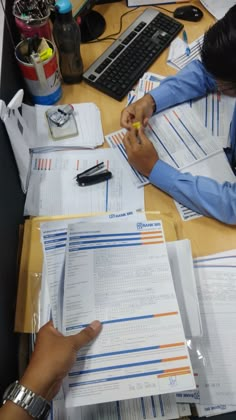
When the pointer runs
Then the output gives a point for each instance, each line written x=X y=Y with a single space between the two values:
x=140 y=110
x=53 y=357
x=141 y=153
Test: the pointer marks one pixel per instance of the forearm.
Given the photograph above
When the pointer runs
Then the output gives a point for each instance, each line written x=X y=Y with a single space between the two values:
x=33 y=381
x=198 y=193
x=190 y=83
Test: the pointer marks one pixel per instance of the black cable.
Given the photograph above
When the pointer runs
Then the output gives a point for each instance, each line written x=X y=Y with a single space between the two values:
x=8 y=25
x=108 y=37
x=166 y=10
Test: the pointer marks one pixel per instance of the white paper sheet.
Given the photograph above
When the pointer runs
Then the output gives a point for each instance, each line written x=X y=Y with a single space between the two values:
x=88 y=119
x=54 y=238
x=218 y=8
x=162 y=407
x=134 y=3
x=191 y=396
x=178 y=135
x=215 y=112
x=53 y=189
x=184 y=410
x=185 y=286
x=216 y=285
x=18 y=135
x=214 y=410
x=177 y=57
x=138 y=362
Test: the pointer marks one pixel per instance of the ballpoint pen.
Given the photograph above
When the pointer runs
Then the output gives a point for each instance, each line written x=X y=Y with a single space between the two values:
x=185 y=39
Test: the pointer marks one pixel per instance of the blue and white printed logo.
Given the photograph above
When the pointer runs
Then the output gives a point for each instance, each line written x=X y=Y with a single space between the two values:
x=139 y=225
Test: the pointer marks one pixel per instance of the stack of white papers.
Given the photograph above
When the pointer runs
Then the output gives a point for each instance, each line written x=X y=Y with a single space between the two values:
x=53 y=189
x=29 y=131
x=130 y=311
x=88 y=119
x=128 y=360
x=214 y=357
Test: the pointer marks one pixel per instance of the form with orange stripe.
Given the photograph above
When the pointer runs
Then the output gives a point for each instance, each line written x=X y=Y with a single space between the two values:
x=142 y=349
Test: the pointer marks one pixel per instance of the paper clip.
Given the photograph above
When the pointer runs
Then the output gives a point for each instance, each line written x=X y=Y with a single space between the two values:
x=93 y=175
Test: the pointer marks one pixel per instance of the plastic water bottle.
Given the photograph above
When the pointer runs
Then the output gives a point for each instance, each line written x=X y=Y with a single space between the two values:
x=67 y=37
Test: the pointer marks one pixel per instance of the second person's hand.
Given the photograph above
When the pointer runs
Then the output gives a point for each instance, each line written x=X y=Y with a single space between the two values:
x=141 y=153
x=53 y=357
x=140 y=110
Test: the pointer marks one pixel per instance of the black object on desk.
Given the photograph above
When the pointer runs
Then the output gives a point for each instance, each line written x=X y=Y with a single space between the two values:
x=93 y=175
x=190 y=13
x=117 y=70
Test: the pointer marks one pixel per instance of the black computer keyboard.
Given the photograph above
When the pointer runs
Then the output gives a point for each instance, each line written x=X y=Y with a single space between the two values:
x=117 y=70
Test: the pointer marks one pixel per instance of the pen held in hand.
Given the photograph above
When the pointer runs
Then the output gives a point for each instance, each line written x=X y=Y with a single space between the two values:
x=185 y=39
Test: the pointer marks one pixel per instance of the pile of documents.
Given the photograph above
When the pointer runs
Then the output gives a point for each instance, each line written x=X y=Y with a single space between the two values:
x=29 y=132
x=122 y=293
x=53 y=189
x=88 y=120
x=98 y=270
x=212 y=355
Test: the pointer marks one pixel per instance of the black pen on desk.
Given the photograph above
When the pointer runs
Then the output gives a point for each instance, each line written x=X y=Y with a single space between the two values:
x=185 y=39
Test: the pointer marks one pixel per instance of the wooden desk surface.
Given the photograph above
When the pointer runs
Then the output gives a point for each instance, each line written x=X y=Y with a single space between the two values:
x=207 y=235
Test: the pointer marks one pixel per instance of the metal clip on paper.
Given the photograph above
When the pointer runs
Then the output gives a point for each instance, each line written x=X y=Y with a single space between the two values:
x=93 y=175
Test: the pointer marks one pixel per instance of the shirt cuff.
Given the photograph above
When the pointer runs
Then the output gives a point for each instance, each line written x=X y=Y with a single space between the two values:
x=163 y=176
x=161 y=97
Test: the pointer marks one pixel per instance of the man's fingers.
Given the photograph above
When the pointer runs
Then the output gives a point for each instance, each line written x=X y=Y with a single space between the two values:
x=127 y=117
x=144 y=139
x=126 y=141
x=87 y=334
x=130 y=138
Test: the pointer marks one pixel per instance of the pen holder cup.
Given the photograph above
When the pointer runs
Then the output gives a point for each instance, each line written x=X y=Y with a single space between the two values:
x=40 y=27
x=42 y=78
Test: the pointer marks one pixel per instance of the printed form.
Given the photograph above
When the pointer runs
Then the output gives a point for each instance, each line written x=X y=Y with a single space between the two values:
x=141 y=350
x=53 y=189
x=216 y=283
x=54 y=238
x=179 y=137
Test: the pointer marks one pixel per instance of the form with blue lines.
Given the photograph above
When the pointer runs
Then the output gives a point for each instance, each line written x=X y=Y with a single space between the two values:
x=179 y=137
x=120 y=274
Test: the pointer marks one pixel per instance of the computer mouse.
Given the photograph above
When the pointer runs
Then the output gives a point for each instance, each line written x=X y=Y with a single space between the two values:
x=191 y=13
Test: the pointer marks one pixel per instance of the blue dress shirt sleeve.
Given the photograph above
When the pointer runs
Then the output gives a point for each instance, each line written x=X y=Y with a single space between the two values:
x=198 y=193
x=191 y=82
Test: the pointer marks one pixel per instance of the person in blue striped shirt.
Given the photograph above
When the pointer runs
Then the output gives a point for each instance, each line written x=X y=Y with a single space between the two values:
x=215 y=72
